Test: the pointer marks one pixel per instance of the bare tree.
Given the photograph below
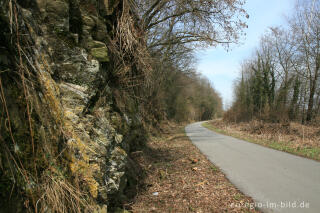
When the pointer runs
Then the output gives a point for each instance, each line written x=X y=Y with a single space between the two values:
x=306 y=25
x=196 y=22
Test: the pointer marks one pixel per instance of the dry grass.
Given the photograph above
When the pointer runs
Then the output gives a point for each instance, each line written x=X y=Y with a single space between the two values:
x=294 y=138
x=181 y=179
x=130 y=58
x=61 y=196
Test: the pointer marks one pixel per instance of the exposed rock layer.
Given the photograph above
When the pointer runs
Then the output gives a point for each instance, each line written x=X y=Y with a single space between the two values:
x=60 y=118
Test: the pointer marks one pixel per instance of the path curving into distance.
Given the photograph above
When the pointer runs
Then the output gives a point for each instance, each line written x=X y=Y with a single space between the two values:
x=272 y=178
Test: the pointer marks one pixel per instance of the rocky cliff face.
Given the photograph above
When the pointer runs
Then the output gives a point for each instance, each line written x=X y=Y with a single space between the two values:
x=65 y=133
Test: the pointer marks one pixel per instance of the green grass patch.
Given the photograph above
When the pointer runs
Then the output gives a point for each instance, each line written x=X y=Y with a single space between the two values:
x=308 y=152
x=214 y=169
x=209 y=126
x=237 y=196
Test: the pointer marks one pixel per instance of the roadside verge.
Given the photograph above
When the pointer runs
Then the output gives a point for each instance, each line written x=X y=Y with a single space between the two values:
x=179 y=178
x=276 y=136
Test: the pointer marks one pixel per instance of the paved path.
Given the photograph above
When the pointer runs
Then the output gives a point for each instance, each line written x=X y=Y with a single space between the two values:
x=272 y=178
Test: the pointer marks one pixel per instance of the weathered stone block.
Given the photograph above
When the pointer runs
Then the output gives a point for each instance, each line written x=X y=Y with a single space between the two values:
x=95 y=44
x=87 y=20
x=101 y=54
x=59 y=8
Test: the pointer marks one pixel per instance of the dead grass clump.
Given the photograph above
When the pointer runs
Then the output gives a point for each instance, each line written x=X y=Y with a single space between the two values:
x=61 y=196
x=130 y=58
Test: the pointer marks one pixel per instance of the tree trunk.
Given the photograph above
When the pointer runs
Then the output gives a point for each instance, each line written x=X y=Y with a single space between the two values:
x=312 y=93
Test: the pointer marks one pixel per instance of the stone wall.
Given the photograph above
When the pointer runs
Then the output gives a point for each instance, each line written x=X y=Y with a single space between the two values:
x=60 y=118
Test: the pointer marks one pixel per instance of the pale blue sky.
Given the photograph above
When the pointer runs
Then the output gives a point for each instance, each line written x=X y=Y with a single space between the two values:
x=222 y=67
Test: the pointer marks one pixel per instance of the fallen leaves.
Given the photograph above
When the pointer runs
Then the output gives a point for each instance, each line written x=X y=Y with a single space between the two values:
x=185 y=181
x=194 y=160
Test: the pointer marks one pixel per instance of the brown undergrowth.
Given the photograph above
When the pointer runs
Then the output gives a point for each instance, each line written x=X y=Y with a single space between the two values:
x=178 y=178
x=291 y=137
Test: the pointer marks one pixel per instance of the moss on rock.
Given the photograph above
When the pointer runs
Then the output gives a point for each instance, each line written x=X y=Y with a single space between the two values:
x=101 y=54
x=96 y=44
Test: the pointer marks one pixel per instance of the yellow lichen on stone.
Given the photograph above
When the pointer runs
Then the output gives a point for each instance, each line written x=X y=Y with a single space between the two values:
x=120 y=151
x=51 y=96
x=84 y=171
x=93 y=186
x=80 y=165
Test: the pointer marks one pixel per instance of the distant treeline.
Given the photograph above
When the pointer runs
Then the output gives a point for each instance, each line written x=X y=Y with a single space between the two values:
x=280 y=82
x=190 y=97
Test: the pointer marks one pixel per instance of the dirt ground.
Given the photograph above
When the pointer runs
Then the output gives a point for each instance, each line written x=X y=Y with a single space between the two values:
x=178 y=178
